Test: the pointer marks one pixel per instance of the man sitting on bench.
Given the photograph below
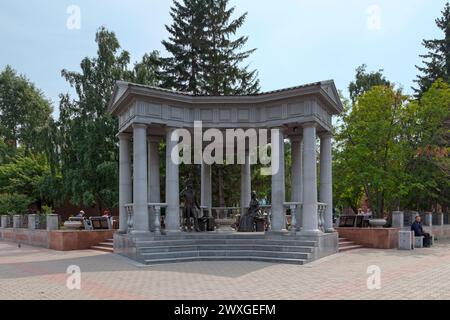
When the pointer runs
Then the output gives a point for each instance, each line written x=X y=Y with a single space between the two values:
x=418 y=232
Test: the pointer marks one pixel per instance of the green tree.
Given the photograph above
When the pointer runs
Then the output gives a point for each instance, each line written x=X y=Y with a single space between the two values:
x=23 y=111
x=222 y=60
x=370 y=152
x=30 y=176
x=89 y=161
x=204 y=57
x=14 y=203
x=149 y=70
x=364 y=81
x=428 y=139
x=437 y=59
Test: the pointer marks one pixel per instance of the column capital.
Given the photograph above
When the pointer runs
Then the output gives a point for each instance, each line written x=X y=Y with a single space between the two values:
x=124 y=136
x=326 y=135
x=139 y=125
x=310 y=124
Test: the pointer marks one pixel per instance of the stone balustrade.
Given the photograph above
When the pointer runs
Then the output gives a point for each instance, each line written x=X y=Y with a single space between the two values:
x=294 y=207
x=321 y=210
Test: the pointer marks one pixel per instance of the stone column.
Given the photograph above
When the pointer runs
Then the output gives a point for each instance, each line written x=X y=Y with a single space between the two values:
x=172 y=183
x=246 y=183
x=206 y=191
x=140 y=201
x=296 y=176
x=278 y=186
x=154 y=191
x=125 y=183
x=326 y=177
x=309 y=217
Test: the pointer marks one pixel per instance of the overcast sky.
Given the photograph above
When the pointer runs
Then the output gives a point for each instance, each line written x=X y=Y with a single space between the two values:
x=298 y=41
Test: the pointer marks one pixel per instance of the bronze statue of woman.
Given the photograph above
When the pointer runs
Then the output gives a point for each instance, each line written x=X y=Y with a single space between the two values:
x=247 y=221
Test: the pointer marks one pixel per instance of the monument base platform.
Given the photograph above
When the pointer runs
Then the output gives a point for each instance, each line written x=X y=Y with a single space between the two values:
x=226 y=246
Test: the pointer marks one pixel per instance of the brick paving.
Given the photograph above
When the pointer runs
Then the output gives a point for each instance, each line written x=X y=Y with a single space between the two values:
x=35 y=273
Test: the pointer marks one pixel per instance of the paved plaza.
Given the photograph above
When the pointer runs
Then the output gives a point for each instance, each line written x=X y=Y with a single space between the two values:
x=36 y=273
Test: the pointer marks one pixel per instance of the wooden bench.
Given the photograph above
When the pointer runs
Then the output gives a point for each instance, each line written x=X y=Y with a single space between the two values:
x=101 y=223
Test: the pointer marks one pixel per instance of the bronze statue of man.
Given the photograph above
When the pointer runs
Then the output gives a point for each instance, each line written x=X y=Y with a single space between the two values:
x=247 y=221
x=190 y=206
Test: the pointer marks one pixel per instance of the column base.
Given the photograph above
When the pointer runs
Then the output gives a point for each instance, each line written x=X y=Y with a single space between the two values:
x=139 y=233
x=314 y=232
x=330 y=230
x=278 y=232
x=170 y=232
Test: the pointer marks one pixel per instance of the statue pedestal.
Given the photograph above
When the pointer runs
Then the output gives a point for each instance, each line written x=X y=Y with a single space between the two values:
x=224 y=225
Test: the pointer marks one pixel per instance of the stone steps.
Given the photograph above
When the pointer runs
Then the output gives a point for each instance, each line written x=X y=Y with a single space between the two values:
x=211 y=241
x=224 y=253
x=347 y=245
x=106 y=246
x=226 y=258
x=198 y=247
x=221 y=247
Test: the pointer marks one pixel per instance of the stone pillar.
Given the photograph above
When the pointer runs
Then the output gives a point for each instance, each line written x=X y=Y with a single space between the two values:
x=4 y=220
x=440 y=218
x=428 y=219
x=310 y=219
x=246 y=183
x=154 y=191
x=125 y=182
x=397 y=219
x=326 y=180
x=296 y=176
x=140 y=201
x=206 y=187
x=32 y=222
x=17 y=221
x=278 y=187
x=172 y=183
x=52 y=222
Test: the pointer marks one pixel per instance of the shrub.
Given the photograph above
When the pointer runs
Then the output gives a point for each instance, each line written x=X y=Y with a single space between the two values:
x=14 y=203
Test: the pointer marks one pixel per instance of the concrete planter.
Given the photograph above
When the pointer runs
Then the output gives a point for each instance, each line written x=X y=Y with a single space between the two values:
x=377 y=223
x=73 y=225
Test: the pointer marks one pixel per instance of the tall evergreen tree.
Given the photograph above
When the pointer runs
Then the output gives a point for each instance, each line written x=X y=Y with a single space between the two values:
x=205 y=60
x=185 y=44
x=437 y=60
x=222 y=62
